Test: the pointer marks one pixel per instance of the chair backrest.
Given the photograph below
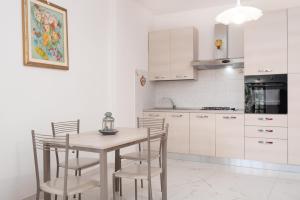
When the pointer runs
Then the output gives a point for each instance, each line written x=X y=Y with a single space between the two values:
x=152 y=123
x=48 y=143
x=154 y=135
x=63 y=128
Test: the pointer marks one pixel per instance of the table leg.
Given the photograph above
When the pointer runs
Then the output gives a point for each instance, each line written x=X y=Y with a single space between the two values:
x=103 y=176
x=117 y=167
x=47 y=171
x=164 y=170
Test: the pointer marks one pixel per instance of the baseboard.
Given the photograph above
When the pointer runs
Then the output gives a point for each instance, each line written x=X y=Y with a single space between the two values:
x=236 y=162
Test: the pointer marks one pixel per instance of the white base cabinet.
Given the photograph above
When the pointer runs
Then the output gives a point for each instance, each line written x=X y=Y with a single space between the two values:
x=268 y=150
x=230 y=136
x=178 y=138
x=203 y=134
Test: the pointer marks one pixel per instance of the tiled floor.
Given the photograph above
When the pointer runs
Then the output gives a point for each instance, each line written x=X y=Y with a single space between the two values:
x=202 y=181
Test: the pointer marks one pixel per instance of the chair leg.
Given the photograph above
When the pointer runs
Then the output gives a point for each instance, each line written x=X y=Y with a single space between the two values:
x=57 y=176
x=114 y=186
x=135 y=188
x=161 y=178
x=37 y=197
x=74 y=196
x=149 y=190
x=79 y=195
x=120 y=186
x=142 y=184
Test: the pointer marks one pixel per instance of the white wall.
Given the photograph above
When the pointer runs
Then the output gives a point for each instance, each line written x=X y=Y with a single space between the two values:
x=131 y=52
x=33 y=97
x=214 y=87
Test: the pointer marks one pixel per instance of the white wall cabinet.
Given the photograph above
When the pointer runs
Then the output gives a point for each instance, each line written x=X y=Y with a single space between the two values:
x=230 y=136
x=266 y=44
x=179 y=137
x=293 y=122
x=171 y=53
x=294 y=40
x=159 y=55
x=203 y=134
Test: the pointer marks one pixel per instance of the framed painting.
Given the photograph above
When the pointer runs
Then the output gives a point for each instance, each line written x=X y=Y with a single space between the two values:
x=45 y=35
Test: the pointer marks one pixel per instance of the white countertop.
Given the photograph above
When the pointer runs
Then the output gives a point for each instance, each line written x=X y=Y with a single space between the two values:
x=194 y=110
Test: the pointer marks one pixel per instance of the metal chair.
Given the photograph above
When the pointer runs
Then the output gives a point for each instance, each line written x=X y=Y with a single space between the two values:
x=142 y=171
x=78 y=163
x=154 y=124
x=66 y=186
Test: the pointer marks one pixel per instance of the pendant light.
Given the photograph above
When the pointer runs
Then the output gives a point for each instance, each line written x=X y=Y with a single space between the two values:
x=239 y=14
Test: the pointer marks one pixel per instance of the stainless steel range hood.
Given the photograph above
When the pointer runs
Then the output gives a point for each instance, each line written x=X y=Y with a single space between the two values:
x=222 y=58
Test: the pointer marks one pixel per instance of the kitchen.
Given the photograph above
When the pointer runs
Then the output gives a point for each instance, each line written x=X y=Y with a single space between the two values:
x=223 y=88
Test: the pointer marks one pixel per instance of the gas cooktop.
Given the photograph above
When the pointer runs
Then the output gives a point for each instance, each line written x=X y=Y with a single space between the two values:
x=218 y=108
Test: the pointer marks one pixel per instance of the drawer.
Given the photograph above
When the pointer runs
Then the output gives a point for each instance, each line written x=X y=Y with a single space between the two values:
x=268 y=150
x=155 y=114
x=266 y=132
x=266 y=120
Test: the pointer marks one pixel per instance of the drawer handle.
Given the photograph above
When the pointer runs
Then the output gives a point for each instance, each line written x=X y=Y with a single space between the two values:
x=181 y=76
x=177 y=115
x=268 y=142
x=267 y=119
x=201 y=116
x=229 y=117
x=268 y=131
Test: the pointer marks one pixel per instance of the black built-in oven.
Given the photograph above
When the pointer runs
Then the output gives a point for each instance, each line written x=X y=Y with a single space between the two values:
x=266 y=94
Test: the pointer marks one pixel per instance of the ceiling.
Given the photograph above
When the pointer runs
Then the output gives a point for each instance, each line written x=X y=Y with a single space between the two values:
x=169 y=6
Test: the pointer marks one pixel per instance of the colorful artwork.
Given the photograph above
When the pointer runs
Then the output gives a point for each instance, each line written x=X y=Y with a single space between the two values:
x=45 y=29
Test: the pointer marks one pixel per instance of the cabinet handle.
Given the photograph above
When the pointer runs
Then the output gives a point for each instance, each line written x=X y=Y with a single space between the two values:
x=152 y=115
x=267 y=130
x=177 y=115
x=160 y=77
x=267 y=119
x=201 y=116
x=181 y=76
x=267 y=142
x=229 y=117
x=265 y=70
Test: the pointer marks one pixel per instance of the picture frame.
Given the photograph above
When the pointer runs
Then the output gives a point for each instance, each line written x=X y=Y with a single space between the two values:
x=45 y=35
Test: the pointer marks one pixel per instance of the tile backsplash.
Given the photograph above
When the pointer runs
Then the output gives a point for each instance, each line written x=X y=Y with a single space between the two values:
x=221 y=87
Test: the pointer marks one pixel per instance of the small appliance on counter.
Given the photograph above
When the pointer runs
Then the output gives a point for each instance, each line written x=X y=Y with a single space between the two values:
x=108 y=125
x=266 y=94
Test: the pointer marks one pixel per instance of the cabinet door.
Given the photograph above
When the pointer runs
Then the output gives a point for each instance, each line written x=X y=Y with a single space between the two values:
x=178 y=138
x=269 y=150
x=266 y=44
x=183 y=51
x=293 y=122
x=230 y=136
x=294 y=39
x=203 y=134
x=159 y=55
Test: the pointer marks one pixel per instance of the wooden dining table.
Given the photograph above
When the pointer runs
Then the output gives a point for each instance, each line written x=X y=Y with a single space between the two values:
x=95 y=142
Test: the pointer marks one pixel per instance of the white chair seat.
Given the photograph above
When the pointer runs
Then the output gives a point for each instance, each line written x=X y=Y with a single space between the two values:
x=80 y=163
x=137 y=171
x=76 y=185
x=140 y=156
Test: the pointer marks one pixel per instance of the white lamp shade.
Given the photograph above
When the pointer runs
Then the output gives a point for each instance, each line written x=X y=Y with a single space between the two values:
x=239 y=15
